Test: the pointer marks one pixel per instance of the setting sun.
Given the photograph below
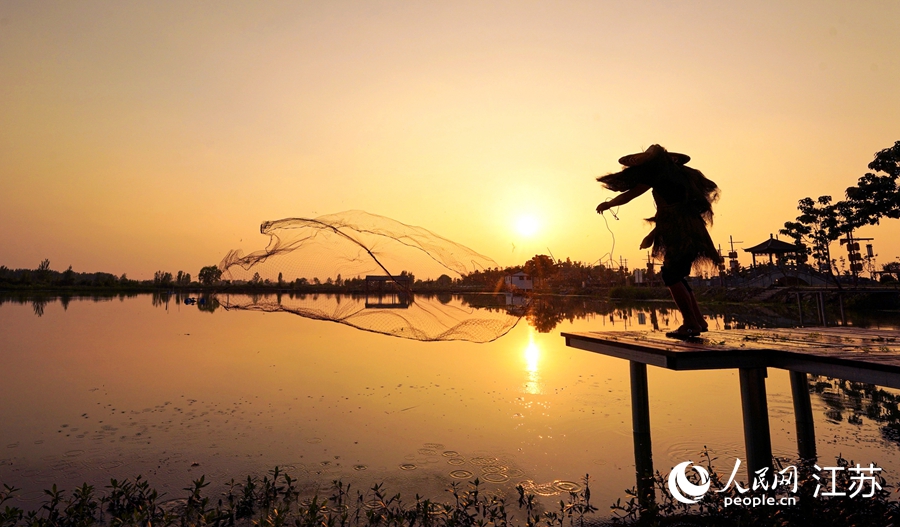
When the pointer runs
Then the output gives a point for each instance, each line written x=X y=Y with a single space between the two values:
x=527 y=225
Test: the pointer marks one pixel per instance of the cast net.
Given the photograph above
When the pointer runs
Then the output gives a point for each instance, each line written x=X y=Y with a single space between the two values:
x=359 y=269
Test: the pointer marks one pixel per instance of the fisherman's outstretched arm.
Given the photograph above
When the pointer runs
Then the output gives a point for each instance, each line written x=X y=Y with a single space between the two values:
x=623 y=198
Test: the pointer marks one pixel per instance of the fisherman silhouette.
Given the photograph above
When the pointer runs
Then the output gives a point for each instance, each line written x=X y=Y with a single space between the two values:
x=684 y=198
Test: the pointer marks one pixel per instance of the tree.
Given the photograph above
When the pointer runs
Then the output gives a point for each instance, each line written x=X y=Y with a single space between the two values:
x=816 y=227
x=876 y=194
x=111 y=280
x=183 y=278
x=209 y=275
x=68 y=276
x=161 y=278
x=43 y=270
x=540 y=267
x=890 y=271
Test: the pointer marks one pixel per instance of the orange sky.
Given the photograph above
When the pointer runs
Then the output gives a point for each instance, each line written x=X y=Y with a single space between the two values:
x=145 y=136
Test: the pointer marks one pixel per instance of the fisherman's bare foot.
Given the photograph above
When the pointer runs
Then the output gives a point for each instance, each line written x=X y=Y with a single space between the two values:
x=685 y=333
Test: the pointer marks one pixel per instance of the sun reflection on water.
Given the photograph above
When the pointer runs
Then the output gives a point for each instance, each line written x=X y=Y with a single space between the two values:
x=532 y=357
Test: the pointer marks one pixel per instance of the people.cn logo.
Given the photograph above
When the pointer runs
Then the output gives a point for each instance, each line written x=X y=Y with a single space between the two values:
x=682 y=489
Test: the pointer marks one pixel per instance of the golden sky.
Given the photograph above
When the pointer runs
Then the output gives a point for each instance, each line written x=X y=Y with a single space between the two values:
x=158 y=135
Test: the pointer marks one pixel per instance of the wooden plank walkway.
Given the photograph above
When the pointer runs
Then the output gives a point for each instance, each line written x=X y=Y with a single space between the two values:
x=856 y=354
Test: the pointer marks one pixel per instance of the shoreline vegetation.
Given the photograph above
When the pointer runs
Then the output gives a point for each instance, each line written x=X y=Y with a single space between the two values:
x=546 y=277
x=276 y=499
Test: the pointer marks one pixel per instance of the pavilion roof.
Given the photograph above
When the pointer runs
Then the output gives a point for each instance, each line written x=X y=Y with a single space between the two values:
x=773 y=246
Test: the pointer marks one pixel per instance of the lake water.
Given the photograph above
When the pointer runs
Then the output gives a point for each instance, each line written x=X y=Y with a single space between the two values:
x=113 y=388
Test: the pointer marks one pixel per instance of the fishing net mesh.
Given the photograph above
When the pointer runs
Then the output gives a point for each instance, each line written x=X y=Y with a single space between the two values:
x=344 y=249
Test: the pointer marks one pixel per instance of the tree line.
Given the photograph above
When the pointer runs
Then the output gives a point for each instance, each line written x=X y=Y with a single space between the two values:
x=822 y=221
x=43 y=277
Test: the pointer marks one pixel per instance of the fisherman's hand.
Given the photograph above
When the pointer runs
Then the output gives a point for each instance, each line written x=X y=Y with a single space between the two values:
x=603 y=206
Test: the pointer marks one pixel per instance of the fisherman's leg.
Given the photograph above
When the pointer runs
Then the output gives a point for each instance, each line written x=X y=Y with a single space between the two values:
x=673 y=275
x=695 y=308
x=682 y=297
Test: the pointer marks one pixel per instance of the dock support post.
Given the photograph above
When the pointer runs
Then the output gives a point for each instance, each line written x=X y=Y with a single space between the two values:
x=643 y=453
x=757 y=440
x=841 y=303
x=800 y=308
x=806 y=431
x=821 y=302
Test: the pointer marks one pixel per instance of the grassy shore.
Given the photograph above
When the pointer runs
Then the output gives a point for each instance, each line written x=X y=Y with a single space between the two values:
x=277 y=499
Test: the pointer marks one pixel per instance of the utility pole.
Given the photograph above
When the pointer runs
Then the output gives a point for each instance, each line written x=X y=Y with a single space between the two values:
x=853 y=254
x=732 y=255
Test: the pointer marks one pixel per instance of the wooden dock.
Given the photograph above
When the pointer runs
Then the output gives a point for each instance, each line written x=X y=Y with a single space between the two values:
x=854 y=354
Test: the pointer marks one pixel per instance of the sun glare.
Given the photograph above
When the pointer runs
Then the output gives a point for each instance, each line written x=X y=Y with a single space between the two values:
x=527 y=225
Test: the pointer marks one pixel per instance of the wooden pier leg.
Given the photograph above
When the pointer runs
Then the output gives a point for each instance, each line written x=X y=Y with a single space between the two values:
x=841 y=303
x=756 y=420
x=800 y=308
x=806 y=431
x=822 y=309
x=643 y=453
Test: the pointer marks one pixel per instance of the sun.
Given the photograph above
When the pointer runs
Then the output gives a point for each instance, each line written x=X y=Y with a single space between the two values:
x=527 y=225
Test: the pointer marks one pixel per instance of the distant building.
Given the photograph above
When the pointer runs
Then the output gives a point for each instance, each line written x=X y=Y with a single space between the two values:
x=774 y=247
x=520 y=281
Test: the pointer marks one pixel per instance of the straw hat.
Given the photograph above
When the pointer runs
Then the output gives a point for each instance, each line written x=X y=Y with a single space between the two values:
x=633 y=160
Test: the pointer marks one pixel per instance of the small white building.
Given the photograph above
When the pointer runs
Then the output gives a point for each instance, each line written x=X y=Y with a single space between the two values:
x=519 y=280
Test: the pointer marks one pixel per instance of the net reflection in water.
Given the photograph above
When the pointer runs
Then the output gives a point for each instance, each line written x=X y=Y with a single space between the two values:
x=430 y=318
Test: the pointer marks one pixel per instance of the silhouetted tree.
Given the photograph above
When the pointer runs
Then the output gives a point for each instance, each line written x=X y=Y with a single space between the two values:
x=161 y=278
x=890 y=271
x=68 y=276
x=209 y=275
x=42 y=273
x=540 y=267
x=816 y=227
x=876 y=194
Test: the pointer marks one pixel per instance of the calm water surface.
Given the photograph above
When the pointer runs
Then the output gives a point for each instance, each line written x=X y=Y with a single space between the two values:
x=117 y=388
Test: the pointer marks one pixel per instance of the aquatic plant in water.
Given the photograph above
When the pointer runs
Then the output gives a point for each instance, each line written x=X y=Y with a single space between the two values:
x=276 y=500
